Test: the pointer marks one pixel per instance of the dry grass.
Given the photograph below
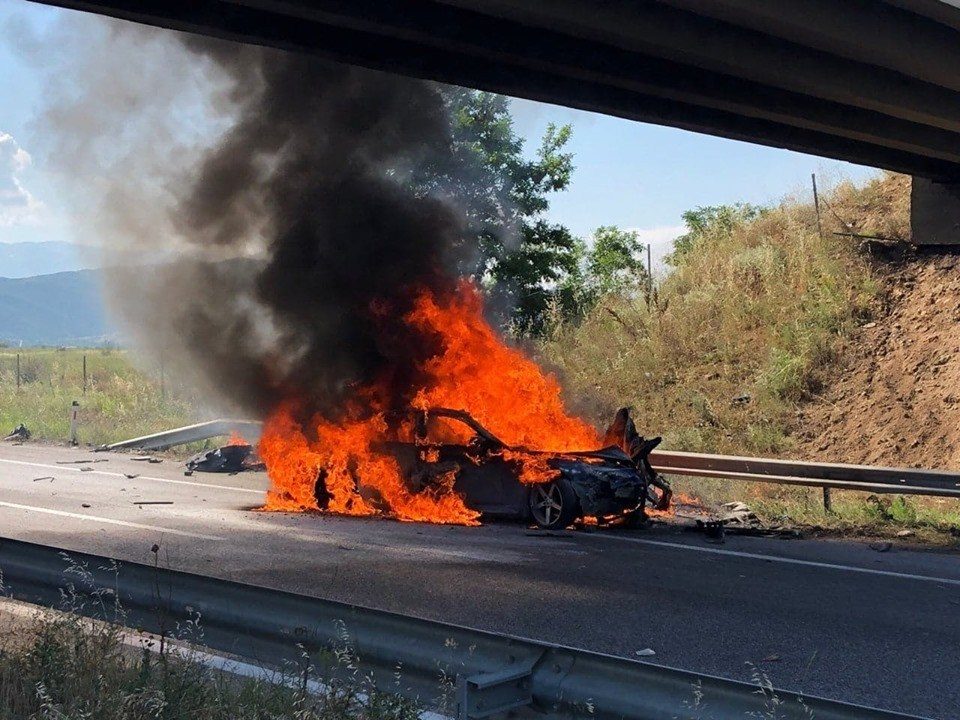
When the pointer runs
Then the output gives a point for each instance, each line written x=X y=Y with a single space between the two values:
x=748 y=326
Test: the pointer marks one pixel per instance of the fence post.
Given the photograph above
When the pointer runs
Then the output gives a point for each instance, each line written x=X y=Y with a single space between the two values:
x=74 y=409
x=18 y=371
x=649 y=274
x=816 y=205
x=163 y=387
x=84 y=374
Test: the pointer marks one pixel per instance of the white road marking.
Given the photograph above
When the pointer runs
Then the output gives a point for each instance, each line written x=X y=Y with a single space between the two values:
x=138 y=477
x=776 y=558
x=96 y=518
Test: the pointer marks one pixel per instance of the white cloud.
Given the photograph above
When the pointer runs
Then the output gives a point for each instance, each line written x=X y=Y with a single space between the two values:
x=660 y=239
x=17 y=204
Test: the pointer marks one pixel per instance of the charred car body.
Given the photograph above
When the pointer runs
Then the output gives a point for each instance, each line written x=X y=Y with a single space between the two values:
x=615 y=481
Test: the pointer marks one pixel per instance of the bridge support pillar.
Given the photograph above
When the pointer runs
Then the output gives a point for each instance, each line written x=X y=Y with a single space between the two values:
x=935 y=212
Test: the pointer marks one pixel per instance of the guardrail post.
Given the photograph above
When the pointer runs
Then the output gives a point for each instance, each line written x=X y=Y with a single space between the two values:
x=827 y=503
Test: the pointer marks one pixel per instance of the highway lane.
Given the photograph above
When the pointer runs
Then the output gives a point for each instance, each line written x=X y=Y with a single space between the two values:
x=825 y=618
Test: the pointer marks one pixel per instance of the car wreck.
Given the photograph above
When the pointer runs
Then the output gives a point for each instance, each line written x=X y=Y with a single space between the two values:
x=616 y=481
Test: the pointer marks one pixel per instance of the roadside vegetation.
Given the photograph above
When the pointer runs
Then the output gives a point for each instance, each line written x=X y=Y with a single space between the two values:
x=751 y=322
x=62 y=666
x=748 y=322
x=121 y=401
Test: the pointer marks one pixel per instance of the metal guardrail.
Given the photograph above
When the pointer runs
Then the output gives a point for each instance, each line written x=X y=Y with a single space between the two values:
x=249 y=429
x=907 y=481
x=495 y=673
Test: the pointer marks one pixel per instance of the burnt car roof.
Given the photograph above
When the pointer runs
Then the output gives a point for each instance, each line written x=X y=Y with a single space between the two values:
x=609 y=453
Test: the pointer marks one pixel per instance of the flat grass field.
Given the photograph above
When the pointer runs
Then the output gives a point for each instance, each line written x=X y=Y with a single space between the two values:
x=121 y=399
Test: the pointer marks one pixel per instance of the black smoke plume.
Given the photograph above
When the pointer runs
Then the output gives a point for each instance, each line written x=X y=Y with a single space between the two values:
x=317 y=184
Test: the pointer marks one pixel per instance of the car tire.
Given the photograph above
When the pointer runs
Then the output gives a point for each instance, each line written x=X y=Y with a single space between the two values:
x=554 y=505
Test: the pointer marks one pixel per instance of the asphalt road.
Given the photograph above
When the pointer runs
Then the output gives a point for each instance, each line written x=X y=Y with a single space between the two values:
x=826 y=618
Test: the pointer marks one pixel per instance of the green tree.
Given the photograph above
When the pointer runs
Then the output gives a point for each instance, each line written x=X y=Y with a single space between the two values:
x=517 y=254
x=615 y=262
x=704 y=222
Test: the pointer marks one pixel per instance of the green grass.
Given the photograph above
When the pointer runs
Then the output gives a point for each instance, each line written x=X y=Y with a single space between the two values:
x=121 y=401
x=928 y=520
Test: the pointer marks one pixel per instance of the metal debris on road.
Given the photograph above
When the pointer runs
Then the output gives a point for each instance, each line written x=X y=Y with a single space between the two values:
x=20 y=432
x=85 y=505
x=646 y=652
x=84 y=461
x=152 y=502
x=45 y=477
x=130 y=476
x=228 y=459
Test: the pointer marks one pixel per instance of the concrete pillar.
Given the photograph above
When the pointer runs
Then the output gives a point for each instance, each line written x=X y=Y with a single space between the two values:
x=935 y=212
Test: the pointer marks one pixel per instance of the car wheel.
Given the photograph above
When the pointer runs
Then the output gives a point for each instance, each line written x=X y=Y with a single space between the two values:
x=554 y=504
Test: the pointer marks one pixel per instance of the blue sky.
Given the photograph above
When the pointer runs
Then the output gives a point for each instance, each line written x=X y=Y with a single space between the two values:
x=627 y=173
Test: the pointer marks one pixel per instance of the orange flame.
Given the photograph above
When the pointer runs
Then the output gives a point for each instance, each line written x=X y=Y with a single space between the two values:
x=236 y=439
x=473 y=370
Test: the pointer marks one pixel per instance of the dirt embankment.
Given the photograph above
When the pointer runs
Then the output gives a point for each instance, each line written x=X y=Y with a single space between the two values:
x=895 y=400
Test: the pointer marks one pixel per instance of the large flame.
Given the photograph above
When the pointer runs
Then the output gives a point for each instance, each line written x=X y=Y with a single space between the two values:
x=472 y=370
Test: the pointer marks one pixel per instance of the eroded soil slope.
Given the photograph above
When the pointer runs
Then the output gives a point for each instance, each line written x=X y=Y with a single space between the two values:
x=896 y=399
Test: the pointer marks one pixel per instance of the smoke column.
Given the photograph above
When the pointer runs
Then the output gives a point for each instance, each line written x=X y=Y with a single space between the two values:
x=274 y=262
x=318 y=172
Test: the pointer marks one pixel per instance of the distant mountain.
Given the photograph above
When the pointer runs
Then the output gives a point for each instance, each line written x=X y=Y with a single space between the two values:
x=64 y=308
x=24 y=259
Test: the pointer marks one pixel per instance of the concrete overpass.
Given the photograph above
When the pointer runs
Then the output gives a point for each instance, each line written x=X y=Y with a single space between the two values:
x=875 y=82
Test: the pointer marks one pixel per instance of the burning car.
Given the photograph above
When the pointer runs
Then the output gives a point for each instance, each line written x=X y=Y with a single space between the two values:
x=451 y=451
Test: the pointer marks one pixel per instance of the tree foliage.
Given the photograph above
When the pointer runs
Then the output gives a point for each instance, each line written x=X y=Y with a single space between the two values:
x=515 y=251
x=615 y=262
x=705 y=222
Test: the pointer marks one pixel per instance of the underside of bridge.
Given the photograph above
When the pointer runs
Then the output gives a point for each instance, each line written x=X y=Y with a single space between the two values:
x=874 y=82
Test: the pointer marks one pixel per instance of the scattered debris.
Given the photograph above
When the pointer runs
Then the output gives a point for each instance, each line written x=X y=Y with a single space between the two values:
x=188 y=473
x=20 y=432
x=146 y=458
x=881 y=546
x=870 y=325
x=712 y=530
x=227 y=459
x=130 y=476
x=738 y=513
x=85 y=505
x=544 y=533
x=86 y=468
x=45 y=477
x=732 y=517
x=743 y=399
x=646 y=652
x=81 y=462
x=152 y=502
x=905 y=533
x=154 y=460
